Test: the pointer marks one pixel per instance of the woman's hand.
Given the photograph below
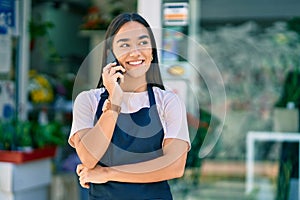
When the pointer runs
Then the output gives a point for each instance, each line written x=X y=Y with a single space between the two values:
x=81 y=171
x=96 y=175
x=110 y=76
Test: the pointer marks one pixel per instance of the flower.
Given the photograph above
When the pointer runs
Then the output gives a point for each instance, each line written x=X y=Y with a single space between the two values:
x=40 y=88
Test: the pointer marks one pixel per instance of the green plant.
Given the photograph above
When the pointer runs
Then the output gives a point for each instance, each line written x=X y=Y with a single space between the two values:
x=48 y=134
x=23 y=134
x=291 y=90
x=38 y=28
x=18 y=134
x=6 y=136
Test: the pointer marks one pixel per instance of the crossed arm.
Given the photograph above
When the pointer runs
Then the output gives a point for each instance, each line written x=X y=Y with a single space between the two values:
x=170 y=165
x=87 y=141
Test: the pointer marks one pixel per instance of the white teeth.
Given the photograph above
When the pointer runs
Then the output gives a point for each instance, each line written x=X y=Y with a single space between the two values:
x=136 y=62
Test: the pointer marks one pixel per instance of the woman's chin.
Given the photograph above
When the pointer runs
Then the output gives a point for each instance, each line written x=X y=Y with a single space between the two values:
x=136 y=72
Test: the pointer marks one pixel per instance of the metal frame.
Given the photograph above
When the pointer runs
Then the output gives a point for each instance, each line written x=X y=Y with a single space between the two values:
x=253 y=136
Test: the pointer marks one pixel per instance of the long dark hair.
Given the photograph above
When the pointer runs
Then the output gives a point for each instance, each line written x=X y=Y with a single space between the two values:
x=153 y=75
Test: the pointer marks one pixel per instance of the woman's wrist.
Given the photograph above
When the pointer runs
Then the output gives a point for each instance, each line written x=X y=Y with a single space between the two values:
x=116 y=95
x=109 y=173
x=116 y=99
x=108 y=105
x=102 y=174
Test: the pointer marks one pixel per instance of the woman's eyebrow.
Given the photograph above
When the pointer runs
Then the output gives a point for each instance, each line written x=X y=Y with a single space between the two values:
x=127 y=39
x=123 y=40
x=143 y=37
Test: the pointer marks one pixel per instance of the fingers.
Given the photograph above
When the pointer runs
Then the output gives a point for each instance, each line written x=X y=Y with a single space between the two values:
x=79 y=168
x=111 y=73
x=107 y=68
x=80 y=173
x=83 y=183
x=111 y=69
x=115 y=69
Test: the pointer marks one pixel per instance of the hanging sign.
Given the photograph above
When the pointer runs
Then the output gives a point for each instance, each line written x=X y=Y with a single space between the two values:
x=176 y=14
x=7 y=22
x=7 y=13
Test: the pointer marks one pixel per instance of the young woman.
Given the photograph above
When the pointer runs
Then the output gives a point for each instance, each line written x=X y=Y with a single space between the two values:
x=130 y=135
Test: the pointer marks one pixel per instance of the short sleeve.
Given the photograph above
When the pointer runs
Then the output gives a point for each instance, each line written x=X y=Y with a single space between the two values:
x=83 y=113
x=175 y=118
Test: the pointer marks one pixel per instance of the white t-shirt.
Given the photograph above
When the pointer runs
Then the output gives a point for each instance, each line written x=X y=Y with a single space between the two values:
x=171 y=110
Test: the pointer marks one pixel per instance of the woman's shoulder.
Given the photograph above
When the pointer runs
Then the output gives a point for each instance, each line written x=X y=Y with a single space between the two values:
x=165 y=94
x=90 y=95
x=166 y=97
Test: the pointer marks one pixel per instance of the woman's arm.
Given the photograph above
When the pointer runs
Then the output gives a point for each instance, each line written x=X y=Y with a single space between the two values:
x=92 y=143
x=88 y=141
x=170 y=165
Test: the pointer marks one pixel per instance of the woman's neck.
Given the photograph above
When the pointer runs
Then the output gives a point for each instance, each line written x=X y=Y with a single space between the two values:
x=131 y=84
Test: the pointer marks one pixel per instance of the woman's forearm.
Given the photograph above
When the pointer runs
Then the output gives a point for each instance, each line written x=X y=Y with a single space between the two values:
x=159 y=169
x=88 y=141
x=170 y=165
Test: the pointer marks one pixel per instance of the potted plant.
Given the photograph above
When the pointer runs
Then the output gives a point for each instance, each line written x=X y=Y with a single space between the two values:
x=37 y=133
x=286 y=119
x=25 y=158
x=23 y=141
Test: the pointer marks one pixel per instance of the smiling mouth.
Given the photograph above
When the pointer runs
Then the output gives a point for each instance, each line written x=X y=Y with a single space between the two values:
x=135 y=63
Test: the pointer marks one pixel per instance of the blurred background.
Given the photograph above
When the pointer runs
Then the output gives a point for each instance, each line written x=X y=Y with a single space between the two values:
x=236 y=65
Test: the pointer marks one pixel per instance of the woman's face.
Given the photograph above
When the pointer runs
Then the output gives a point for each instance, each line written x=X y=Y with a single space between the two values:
x=133 y=49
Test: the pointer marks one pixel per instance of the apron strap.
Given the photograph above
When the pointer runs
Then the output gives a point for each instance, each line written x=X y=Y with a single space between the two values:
x=103 y=96
x=151 y=95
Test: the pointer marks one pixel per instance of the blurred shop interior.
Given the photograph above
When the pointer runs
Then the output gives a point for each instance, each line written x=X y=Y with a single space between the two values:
x=236 y=65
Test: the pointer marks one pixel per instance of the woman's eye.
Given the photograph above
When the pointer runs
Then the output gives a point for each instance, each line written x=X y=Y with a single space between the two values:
x=124 y=45
x=144 y=42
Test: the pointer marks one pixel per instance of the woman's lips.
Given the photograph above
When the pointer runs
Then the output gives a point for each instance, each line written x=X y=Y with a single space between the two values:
x=135 y=63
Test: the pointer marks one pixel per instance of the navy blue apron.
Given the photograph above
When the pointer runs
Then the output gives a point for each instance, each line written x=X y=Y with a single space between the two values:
x=137 y=137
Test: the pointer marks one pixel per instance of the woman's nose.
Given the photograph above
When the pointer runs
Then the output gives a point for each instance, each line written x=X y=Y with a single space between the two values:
x=135 y=51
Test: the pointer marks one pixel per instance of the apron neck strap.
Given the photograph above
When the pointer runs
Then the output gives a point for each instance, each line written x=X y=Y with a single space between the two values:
x=103 y=96
x=151 y=95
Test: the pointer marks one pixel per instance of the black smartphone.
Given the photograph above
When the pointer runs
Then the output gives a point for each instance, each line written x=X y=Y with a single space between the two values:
x=110 y=59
